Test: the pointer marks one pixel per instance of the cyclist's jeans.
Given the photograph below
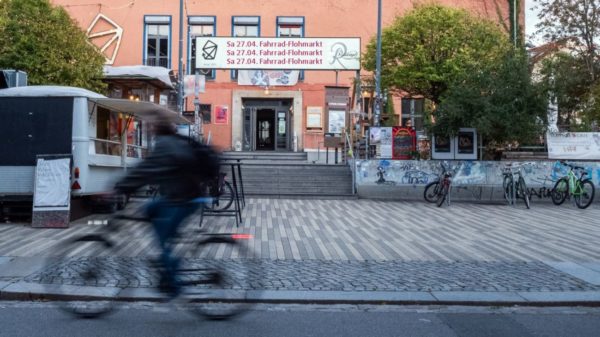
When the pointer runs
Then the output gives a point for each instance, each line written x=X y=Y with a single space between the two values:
x=166 y=218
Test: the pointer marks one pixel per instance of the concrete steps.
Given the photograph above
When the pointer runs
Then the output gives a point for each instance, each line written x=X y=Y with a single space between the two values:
x=283 y=175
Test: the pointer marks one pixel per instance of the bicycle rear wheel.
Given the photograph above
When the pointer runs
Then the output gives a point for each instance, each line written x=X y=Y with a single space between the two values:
x=584 y=194
x=431 y=192
x=523 y=192
x=560 y=191
x=443 y=195
x=83 y=276
x=225 y=198
x=217 y=276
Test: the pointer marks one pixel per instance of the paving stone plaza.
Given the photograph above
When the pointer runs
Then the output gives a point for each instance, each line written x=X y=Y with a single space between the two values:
x=362 y=246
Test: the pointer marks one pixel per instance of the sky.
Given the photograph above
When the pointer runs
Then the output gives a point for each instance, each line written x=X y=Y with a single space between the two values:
x=530 y=22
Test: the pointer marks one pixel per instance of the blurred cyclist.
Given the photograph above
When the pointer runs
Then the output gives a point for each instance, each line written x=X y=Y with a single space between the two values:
x=173 y=165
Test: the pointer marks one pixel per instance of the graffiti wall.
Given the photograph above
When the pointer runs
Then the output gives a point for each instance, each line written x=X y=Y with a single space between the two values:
x=538 y=174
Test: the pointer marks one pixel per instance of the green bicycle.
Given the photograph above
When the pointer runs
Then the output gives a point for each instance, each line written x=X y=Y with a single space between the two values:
x=582 y=189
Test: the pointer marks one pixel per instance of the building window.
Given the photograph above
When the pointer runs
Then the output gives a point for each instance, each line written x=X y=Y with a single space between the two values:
x=244 y=26
x=157 y=37
x=291 y=26
x=412 y=113
x=199 y=26
x=205 y=110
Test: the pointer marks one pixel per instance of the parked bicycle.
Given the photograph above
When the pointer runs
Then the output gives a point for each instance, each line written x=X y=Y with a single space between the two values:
x=438 y=191
x=580 y=188
x=221 y=193
x=212 y=288
x=514 y=186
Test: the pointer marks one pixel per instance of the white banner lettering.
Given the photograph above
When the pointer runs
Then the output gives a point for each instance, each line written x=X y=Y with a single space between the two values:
x=278 y=53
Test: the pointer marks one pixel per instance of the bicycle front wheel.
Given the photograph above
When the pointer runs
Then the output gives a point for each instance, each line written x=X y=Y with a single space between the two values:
x=560 y=191
x=524 y=192
x=432 y=191
x=584 y=194
x=218 y=275
x=83 y=276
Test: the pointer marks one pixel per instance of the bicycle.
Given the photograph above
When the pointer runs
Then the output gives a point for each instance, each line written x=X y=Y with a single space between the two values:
x=582 y=189
x=215 y=289
x=515 y=189
x=438 y=191
x=221 y=193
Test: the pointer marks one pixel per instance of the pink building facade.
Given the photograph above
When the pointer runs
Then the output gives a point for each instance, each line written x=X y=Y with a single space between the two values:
x=249 y=117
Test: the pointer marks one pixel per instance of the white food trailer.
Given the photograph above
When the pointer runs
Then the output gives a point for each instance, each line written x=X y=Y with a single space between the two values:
x=102 y=135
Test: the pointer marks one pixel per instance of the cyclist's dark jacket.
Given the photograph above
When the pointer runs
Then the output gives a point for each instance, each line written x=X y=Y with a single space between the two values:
x=167 y=166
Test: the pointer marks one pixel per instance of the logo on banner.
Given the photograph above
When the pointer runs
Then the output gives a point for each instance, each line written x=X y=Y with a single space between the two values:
x=209 y=50
x=340 y=52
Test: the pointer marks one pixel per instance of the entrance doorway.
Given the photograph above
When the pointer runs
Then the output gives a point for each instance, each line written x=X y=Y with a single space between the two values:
x=267 y=124
x=265 y=129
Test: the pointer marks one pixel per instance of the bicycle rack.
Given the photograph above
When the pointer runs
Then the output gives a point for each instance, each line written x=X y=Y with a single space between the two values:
x=239 y=200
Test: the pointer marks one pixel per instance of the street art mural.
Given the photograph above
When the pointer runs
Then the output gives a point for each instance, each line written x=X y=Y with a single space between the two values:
x=540 y=176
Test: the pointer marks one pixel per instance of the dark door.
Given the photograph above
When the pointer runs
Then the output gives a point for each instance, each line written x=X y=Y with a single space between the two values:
x=249 y=127
x=265 y=129
x=282 y=130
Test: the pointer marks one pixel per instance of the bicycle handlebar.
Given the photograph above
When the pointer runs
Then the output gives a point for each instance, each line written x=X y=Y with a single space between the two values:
x=563 y=162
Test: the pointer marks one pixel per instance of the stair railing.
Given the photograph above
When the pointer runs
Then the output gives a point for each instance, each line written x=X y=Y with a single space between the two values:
x=349 y=151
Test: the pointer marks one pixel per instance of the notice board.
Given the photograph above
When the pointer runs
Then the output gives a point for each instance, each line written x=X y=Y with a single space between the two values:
x=52 y=191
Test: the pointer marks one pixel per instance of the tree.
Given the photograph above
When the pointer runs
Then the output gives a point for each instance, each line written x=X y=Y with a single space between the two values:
x=500 y=101
x=46 y=43
x=575 y=19
x=572 y=77
x=432 y=46
x=568 y=82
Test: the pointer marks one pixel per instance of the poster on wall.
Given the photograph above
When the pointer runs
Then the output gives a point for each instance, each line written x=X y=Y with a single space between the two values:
x=221 y=114
x=442 y=147
x=466 y=144
x=337 y=121
x=386 y=142
x=313 y=117
x=574 y=145
x=404 y=142
x=374 y=135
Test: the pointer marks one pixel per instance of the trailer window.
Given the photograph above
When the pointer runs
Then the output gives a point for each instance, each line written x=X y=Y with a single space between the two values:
x=110 y=127
x=136 y=139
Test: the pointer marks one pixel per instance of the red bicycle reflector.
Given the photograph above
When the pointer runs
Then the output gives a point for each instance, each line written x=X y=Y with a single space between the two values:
x=242 y=236
x=75 y=186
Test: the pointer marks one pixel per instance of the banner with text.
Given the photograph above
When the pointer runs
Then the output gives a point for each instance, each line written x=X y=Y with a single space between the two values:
x=573 y=145
x=265 y=78
x=278 y=53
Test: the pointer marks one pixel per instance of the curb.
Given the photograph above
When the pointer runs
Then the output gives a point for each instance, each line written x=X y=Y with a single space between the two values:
x=22 y=291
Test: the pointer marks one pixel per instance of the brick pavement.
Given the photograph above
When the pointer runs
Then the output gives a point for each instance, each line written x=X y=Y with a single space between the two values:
x=358 y=230
x=364 y=246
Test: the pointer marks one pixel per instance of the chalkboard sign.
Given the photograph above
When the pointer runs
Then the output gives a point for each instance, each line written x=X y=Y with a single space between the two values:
x=404 y=142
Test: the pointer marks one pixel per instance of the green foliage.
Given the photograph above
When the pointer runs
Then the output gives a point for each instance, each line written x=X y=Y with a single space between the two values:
x=46 y=43
x=566 y=79
x=572 y=78
x=432 y=46
x=499 y=101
